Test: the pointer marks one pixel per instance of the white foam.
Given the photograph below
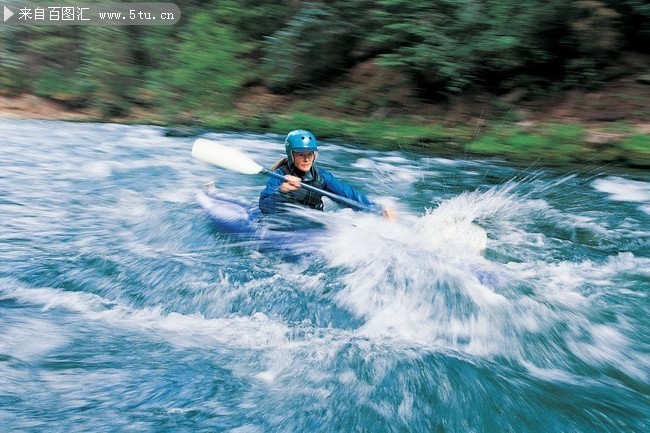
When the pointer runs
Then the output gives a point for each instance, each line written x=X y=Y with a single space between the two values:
x=553 y=374
x=30 y=338
x=247 y=428
x=97 y=169
x=442 y=161
x=178 y=329
x=393 y=273
x=621 y=189
x=387 y=171
x=607 y=346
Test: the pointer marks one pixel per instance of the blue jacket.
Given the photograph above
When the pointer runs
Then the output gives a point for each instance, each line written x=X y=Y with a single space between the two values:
x=272 y=199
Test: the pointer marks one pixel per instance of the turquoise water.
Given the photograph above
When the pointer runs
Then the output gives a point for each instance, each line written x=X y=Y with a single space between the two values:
x=122 y=309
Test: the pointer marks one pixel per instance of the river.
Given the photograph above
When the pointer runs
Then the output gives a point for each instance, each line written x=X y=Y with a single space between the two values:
x=123 y=309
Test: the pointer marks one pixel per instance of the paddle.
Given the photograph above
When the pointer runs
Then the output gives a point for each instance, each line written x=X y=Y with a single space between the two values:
x=233 y=159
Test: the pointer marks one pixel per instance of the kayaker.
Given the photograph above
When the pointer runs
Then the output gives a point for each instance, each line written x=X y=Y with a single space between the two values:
x=298 y=166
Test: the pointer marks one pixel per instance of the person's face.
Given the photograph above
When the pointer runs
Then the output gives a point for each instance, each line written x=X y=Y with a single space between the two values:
x=303 y=160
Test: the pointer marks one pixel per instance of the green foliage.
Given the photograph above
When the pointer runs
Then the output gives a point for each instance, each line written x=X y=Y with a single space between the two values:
x=314 y=45
x=107 y=75
x=638 y=143
x=11 y=61
x=633 y=22
x=221 y=45
x=54 y=78
x=451 y=44
x=556 y=142
x=326 y=127
x=51 y=75
x=208 y=68
x=54 y=83
x=256 y=19
x=399 y=133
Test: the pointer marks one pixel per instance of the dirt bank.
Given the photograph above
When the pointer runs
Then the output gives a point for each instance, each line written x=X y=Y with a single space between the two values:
x=34 y=107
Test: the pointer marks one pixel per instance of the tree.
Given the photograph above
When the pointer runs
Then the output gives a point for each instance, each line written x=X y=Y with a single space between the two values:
x=314 y=45
x=11 y=61
x=107 y=74
x=208 y=63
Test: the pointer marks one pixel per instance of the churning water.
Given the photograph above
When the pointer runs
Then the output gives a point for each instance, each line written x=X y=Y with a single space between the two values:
x=123 y=309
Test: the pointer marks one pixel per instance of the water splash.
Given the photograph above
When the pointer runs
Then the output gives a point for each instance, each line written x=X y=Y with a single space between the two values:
x=431 y=293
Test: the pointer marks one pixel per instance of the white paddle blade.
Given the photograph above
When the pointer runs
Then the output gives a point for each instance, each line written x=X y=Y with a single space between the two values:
x=224 y=156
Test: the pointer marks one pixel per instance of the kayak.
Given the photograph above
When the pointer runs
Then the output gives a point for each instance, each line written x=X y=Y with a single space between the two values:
x=239 y=220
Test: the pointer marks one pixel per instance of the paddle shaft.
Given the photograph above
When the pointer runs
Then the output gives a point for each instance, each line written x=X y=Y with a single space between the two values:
x=353 y=204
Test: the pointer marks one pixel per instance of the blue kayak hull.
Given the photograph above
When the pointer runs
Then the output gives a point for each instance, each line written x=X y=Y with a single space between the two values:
x=239 y=220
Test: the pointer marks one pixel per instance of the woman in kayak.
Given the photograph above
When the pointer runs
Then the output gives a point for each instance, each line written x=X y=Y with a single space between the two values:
x=298 y=166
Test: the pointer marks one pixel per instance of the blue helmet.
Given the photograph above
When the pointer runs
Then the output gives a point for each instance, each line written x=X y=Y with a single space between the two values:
x=299 y=140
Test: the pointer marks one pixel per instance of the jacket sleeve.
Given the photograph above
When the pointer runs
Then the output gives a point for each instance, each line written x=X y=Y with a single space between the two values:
x=332 y=184
x=271 y=198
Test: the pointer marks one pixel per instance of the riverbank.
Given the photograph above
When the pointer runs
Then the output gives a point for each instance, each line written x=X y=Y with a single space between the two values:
x=610 y=128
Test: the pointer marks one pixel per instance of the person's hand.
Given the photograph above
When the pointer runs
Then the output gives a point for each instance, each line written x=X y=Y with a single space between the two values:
x=389 y=214
x=292 y=183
